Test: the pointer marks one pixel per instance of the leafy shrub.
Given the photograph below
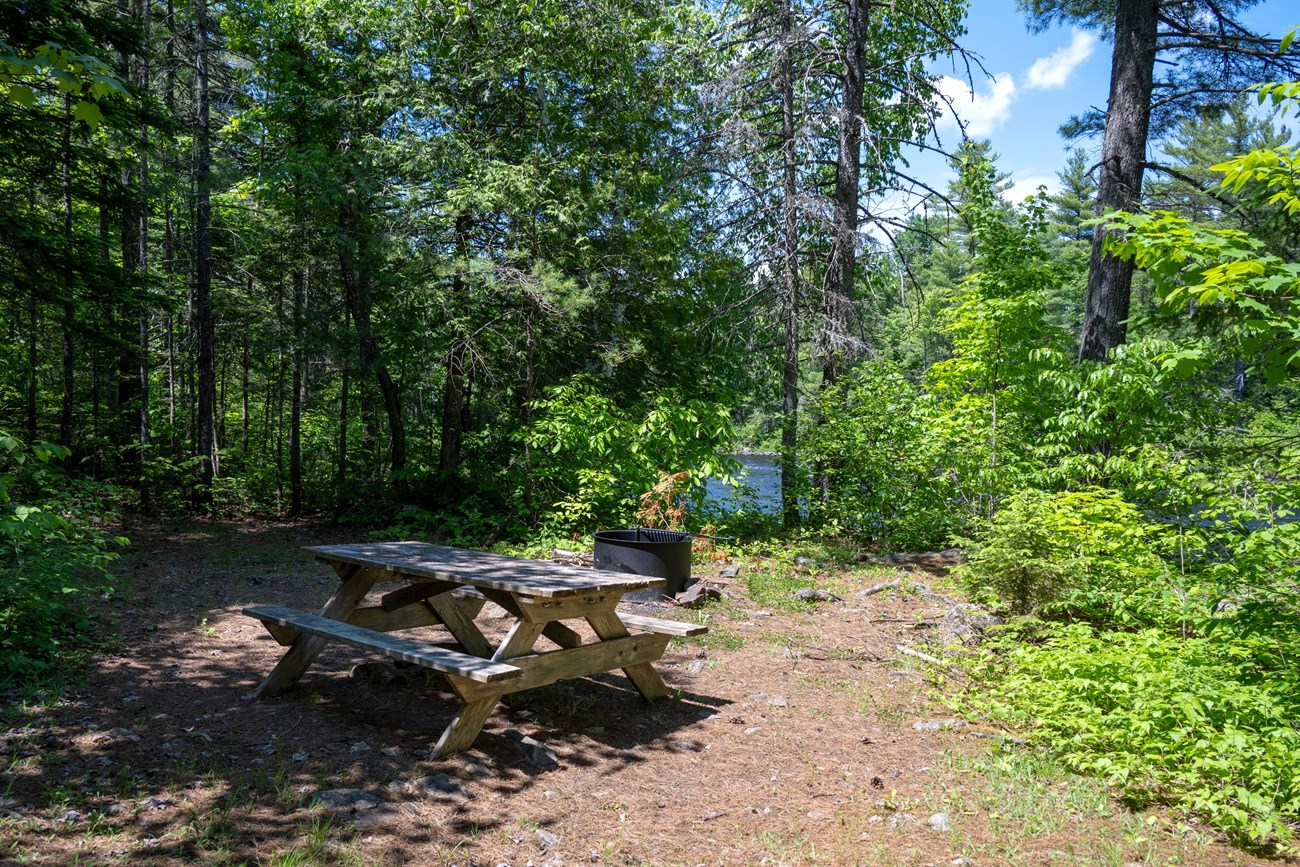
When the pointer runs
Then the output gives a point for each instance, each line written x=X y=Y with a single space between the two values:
x=1205 y=724
x=883 y=468
x=1076 y=555
x=594 y=459
x=50 y=559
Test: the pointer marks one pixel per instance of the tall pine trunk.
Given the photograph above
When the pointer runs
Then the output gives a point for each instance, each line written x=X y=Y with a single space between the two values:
x=203 y=325
x=297 y=396
x=356 y=284
x=1123 y=157
x=844 y=215
x=69 y=348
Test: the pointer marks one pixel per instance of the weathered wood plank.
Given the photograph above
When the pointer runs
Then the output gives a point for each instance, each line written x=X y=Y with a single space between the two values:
x=480 y=569
x=396 y=647
x=561 y=634
x=545 y=668
x=465 y=726
x=523 y=635
x=461 y=625
x=356 y=584
x=410 y=617
x=546 y=610
x=283 y=635
x=607 y=625
x=412 y=593
x=657 y=624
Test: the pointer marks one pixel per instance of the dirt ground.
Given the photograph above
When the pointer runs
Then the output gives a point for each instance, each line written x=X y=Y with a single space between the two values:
x=799 y=734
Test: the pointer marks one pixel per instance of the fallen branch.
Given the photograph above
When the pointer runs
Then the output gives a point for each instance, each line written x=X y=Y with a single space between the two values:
x=924 y=657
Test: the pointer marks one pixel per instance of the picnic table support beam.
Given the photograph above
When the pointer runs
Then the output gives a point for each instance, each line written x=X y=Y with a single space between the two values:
x=356 y=584
x=607 y=625
x=465 y=726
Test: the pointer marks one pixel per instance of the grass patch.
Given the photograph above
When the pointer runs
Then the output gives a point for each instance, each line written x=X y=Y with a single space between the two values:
x=1037 y=810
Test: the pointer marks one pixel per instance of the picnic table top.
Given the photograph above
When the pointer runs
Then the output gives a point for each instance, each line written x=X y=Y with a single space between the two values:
x=540 y=578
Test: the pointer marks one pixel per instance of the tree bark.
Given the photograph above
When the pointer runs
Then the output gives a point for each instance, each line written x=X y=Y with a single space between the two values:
x=453 y=400
x=203 y=323
x=69 y=348
x=789 y=291
x=356 y=284
x=1123 y=157
x=848 y=167
x=341 y=498
x=144 y=72
x=296 y=398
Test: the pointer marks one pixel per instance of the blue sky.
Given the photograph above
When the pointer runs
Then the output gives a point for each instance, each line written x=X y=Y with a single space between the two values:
x=1035 y=82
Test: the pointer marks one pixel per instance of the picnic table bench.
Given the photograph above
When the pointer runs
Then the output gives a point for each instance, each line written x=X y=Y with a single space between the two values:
x=448 y=587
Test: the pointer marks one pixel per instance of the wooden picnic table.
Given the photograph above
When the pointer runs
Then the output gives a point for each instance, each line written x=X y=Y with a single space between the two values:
x=448 y=587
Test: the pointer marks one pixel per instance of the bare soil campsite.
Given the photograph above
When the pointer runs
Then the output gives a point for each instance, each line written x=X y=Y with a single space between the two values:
x=800 y=731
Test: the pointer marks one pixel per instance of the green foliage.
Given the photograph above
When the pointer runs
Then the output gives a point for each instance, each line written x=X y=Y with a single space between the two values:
x=1106 y=414
x=53 y=70
x=595 y=459
x=885 y=471
x=1246 y=296
x=1077 y=555
x=989 y=399
x=1204 y=723
x=50 y=559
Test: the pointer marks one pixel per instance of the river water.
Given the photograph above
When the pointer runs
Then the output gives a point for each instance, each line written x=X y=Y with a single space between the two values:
x=759 y=477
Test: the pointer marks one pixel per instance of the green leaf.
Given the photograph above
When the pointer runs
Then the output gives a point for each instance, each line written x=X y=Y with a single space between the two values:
x=22 y=95
x=88 y=113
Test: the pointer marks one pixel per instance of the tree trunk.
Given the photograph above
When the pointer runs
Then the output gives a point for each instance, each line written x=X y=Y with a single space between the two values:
x=144 y=8
x=243 y=391
x=788 y=301
x=848 y=164
x=341 y=498
x=69 y=349
x=203 y=324
x=453 y=400
x=838 y=299
x=356 y=284
x=296 y=398
x=32 y=322
x=1123 y=156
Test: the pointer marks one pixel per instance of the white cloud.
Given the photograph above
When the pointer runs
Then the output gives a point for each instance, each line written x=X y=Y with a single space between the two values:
x=982 y=112
x=1022 y=188
x=1055 y=70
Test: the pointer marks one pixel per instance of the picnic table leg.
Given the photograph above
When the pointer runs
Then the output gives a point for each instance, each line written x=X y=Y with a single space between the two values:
x=465 y=726
x=305 y=648
x=607 y=625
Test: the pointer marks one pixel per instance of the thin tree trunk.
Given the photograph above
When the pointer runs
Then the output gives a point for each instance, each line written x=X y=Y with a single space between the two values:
x=203 y=323
x=838 y=298
x=453 y=400
x=279 y=398
x=145 y=75
x=341 y=476
x=848 y=166
x=32 y=322
x=1123 y=157
x=243 y=391
x=296 y=398
x=69 y=349
x=789 y=291
x=356 y=283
